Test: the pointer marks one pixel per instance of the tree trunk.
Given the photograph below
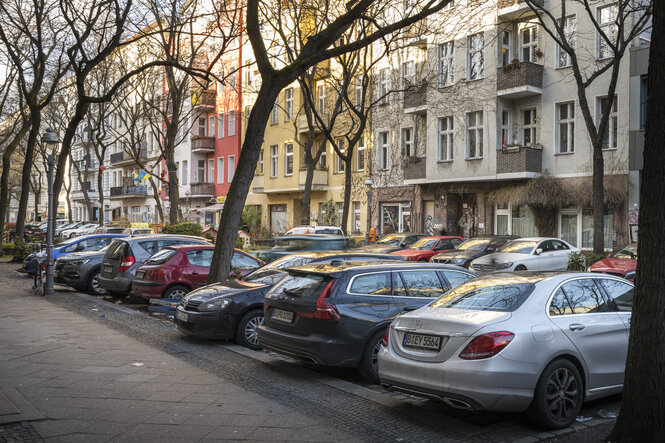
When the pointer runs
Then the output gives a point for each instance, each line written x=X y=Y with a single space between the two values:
x=598 y=204
x=307 y=195
x=347 y=192
x=643 y=399
x=174 y=194
x=6 y=170
x=36 y=120
x=100 y=192
x=158 y=201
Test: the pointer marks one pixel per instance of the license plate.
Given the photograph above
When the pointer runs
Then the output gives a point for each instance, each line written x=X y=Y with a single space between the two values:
x=420 y=341
x=284 y=316
x=108 y=268
x=182 y=316
x=140 y=275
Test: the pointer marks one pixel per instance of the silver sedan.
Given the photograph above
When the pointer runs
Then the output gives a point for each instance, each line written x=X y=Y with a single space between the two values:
x=536 y=342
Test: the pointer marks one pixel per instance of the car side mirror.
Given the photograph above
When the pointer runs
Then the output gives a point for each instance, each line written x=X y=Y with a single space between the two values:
x=539 y=251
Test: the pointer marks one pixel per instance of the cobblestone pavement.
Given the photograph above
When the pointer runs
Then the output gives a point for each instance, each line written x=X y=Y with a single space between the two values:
x=96 y=369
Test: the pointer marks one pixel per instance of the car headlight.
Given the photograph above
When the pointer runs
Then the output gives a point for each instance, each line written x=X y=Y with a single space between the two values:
x=78 y=262
x=455 y=261
x=214 y=305
x=503 y=265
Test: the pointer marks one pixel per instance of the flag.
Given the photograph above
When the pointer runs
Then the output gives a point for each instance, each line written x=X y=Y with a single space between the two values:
x=143 y=175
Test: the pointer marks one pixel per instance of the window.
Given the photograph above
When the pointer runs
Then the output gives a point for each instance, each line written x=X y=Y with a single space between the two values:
x=529 y=127
x=621 y=294
x=248 y=74
x=644 y=92
x=475 y=62
x=274 y=115
x=529 y=44
x=384 y=85
x=242 y=261
x=289 y=159
x=457 y=278
x=202 y=126
x=220 y=170
x=211 y=126
x=408 y=74
x=232 y=167
x=407 y=142
x=201 y=171
x=359 y=92
x=274 y=161
x=445 y=139
x=232 y=122
x=200 y=257
x=288 y=97
x=340 y=212
x=232 y=80
x=395 y=217
x=610 y=136
x=584 y=296
x=607 y=24
x=321 y=93
x=446 y=63
x=184 y=172
x=248 y=111
x=565 y=116
x=356 y=216
x=211 y=171
x=506 y=47
x=340 y=161
x=383 y=150
x=474 y=135
x=417 y=284
x=576 y=227
x=261 y=162
x=506 y=127
x=360 y=158
x=559 y=304
x=323 y=159
x=371 y=284
x=570 y=36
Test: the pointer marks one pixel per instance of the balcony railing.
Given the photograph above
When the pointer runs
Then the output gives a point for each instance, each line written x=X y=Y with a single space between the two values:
x=201 y=143
x=519 y=159
x=521 y=79
x=514 y=10
x=414 y=168
x=319 y=181
x=415 y=100
x=204 y=189
x=204 y=99
x=304 y=127
x=129 y=191
x=124 y=157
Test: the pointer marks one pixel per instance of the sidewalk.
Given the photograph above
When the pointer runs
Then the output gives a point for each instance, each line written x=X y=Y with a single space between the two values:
x=74 y=379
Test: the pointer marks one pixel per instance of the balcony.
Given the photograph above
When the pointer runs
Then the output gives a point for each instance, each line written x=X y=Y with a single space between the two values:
x=304 y=127
x=78 y=195
x=512 y=10
x=519 y=80
x=319 y=181
x=202 y=190
x=128 y=191
x=415 y=168
x=202 y=144
x=519 y=162
x=124 y=158
x=415 y=100
x=204 y=99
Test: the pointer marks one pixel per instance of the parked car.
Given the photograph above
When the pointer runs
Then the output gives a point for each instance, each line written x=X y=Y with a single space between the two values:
x=79 y=244
x=234 y=309
x=427 y=247
x=472 y=249
x=622 y=263
x=540 y=342
x=337 y=315
x=80 y=271
x=531 y=253
x=176 y=270
x=67 y=226
x=291 y=244
x=78 y=231
x=393 y=242
x=124 y=256
x=304 y=230
x=111 y=230
x=35 y=229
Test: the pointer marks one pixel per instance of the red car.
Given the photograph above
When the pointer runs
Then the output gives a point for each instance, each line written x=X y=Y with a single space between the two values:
x=427 y=247
x=175 y=270
x=619 y=264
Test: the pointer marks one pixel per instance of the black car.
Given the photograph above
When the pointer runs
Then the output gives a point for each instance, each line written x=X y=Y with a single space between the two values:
x=233 y=310
x=336 y=315
x=471 y=249
x=393 y=242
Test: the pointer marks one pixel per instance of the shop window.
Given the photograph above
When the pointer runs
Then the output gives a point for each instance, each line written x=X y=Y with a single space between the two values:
x=395 y=217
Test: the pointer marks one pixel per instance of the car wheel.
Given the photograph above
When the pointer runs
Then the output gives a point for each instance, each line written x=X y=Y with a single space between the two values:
x=520 y=268
x=369 y=366
x=176 y=292
x=558 y=395
x=247 y=332
x=93 y=284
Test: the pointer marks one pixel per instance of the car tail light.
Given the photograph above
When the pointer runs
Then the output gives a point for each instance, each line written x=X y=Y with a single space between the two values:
x=126 y=263
x=384 y=341
x=487 y=345
x=325 y=310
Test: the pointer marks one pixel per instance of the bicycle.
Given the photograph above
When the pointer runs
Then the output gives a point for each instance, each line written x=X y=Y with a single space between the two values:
x=39 y=287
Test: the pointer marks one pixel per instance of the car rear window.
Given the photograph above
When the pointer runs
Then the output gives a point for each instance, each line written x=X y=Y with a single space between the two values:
x=377 y=283
x=117 y=250
x=160 y=257
x=302 y=285
x=486 y=295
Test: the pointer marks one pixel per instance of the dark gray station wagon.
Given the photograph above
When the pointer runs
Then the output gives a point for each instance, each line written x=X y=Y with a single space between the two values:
x=337 y=315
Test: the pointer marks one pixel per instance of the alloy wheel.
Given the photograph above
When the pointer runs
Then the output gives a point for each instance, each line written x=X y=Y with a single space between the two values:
x=375 y=356
x=177 y=294
x=252 y=330
x=561 y=393
x=96 y=288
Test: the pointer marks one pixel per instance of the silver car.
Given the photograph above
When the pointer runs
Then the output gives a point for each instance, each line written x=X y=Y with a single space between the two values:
x=536 y=342
x=527 y=254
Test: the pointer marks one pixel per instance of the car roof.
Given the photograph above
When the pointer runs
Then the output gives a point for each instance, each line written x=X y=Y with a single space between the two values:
x=541 y=276
x=310 y=237
x=393 y=265
x=149 y=236
x=537 y=238
x=440 y=237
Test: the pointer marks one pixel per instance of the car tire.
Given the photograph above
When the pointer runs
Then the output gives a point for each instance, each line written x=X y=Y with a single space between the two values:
x=520 y=268
x=176 y=292
x=247 y=331
x=93 y=286
x=562 y=383
x=369 y=367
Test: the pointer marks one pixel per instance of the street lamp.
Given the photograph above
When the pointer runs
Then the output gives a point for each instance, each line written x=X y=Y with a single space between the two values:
x=368 y=185
x=50 y=141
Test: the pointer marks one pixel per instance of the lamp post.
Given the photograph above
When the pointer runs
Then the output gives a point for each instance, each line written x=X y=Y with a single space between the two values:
x=368 y=185
x=50 y=141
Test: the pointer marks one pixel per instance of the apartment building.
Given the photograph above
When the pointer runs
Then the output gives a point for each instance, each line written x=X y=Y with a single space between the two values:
x=485 y=126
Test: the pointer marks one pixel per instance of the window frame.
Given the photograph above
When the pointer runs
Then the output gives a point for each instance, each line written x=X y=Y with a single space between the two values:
x=471 y=52
x=530 y=46
x=384 y=150
x=288 y=104
x=220 y=170
x=408 y=145
x=605 y=27
x=360 y=155
x=531 y=127
x=274 y=161
x=479 y=130
x=231 y=168
x=570 y=124
x=220 y=125
x=288 y=158
x=446 y=63
x=570 y=34
x=612 y=122
x=449 y=134
x=232 y=123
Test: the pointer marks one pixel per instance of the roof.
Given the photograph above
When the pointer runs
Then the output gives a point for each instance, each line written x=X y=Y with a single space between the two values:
x=440 y=237
x=310 y=237
x=392 y=265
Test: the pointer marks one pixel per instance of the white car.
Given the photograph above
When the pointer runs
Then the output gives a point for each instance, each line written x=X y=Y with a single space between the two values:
x=531 y=253
x=330 y=230
x=81 y=230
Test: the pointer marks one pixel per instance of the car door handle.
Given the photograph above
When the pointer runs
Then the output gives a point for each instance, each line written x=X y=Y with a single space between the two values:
x=409 y=308
x=576 y=327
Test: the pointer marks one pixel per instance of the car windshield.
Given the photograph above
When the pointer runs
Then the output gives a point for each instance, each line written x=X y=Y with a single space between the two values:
x=501 y=295
x=629 y=251
x=281 y=263
x=519 y=246
x=424 y=244
x=390 y=239
x=265 y=276
x=474 y=244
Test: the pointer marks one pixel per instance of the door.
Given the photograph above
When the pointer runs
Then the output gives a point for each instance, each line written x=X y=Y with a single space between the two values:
x=560 y=254
x=278 y=218
x=367 y=301
x=620 y=295
x=199 y=266
x=414 y=289
x=466 y=213
x=546 y=261
x=579 y=309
